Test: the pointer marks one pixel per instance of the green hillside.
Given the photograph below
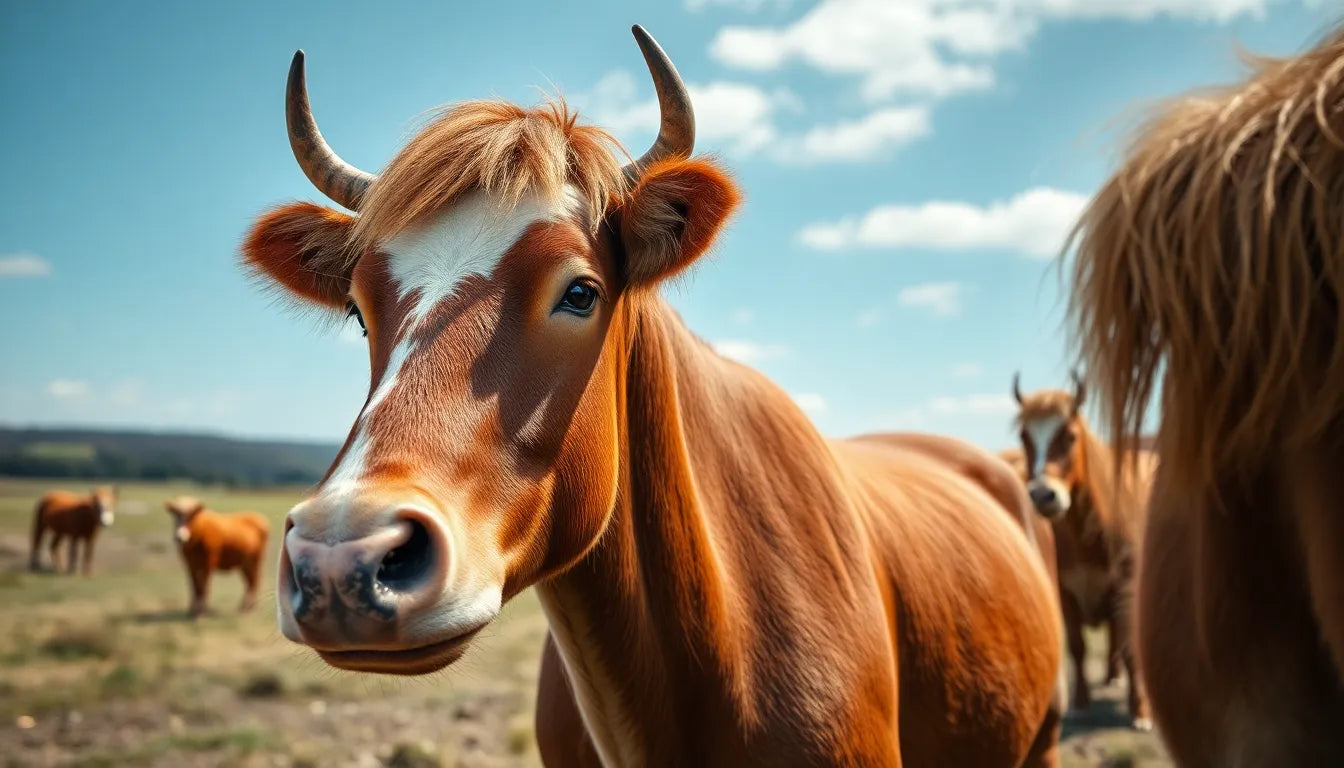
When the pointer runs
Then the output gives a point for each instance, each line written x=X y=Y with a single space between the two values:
x=128 y=455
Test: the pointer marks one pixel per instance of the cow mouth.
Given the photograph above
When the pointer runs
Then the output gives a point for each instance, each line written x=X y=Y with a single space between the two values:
x=420 y=660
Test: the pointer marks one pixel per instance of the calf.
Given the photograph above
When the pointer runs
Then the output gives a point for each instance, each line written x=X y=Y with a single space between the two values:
x=209 y=541
x=78 y=517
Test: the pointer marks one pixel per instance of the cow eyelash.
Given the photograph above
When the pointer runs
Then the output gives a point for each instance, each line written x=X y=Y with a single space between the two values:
x=352 y=310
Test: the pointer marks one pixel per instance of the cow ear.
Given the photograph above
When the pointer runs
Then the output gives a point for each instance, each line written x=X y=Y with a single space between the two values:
x=672 y=216
x=305 y=249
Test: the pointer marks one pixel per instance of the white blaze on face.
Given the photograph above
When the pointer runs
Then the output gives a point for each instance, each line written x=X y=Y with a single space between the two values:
x=431 y=260
x=1040 y=433
x=107 y=516
x=182 y=534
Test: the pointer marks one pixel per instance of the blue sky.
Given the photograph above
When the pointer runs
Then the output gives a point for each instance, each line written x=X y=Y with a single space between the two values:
x=909 y=170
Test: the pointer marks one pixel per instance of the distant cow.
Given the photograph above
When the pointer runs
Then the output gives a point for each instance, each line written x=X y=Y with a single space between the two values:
x=209 y=541
x=1097 y=518
x=78 y=517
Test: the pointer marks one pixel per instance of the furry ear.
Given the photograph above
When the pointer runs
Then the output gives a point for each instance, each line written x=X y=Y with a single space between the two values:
x=672 y=217
x=304 y=247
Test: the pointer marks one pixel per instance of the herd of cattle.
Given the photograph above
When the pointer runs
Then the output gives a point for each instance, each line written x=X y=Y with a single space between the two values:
x=1095 y=519
x=208 y=541
x=723 y=585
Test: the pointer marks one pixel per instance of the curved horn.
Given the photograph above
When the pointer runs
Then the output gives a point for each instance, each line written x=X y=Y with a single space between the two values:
x=333 y=177
x=1079 y=390
x=676 y=133
x=1017 y=390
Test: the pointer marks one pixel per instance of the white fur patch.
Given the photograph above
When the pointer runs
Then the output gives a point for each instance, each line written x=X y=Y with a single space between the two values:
x=1040 y=432
x=107 y=517
x=470 y=238
x=431 y=260
x=182 y=534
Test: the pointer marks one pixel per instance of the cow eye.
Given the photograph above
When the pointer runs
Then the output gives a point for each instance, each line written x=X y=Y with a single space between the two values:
x=352 y=310
x=580 y=298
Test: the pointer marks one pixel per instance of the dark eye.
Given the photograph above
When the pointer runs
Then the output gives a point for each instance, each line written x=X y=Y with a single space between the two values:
x=352 y=310
x=580 y=298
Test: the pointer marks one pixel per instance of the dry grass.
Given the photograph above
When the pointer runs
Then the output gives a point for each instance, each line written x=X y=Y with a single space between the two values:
x=113 y=673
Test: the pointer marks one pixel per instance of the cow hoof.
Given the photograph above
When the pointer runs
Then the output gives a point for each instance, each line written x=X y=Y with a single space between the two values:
x=1143 y=724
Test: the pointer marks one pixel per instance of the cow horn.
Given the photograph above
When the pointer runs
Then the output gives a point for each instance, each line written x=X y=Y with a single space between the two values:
x=333 y=177
x=676 y=132
x=1079 y=390
x=1017 y=389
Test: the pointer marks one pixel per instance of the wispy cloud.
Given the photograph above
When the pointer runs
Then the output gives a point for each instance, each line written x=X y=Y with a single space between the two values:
x=870 y=137
x=737 y=117
x=941 y=298
x=68 y=389
x=749 y=6
x=868 y=318
x=750 y=352
x=742 y=316
x=1034 y=223
x=23 y=265
x=743 y=119
x=810 y=402
x=933 y=48
x=968 y=370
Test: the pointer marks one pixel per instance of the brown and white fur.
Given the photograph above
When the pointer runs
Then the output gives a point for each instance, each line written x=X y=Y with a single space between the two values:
x=209 y=542
x=723 y=585
x=70 y=515
x=1097 y=517
x=1209 y=277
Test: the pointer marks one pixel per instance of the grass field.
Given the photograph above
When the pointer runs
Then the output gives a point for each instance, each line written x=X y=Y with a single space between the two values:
x=109 y=671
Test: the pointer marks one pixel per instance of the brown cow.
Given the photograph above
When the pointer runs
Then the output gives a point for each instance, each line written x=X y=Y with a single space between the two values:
x=723 y=585
x=1071 y=478
x=78 y=517
x=209 y=542
x=1209 y=277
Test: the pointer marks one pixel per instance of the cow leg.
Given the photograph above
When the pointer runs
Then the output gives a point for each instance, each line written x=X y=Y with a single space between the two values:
x=56 y=539
x=1114 y=653
x=71 y=555
x=251 y=572
x=200 y=588
x=34 y=556
x=562 y=739
x=88 y=555
x=1073 y=630
x=1138 y=698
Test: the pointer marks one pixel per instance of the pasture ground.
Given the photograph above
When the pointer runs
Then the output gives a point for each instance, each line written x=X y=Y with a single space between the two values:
x=109 y=671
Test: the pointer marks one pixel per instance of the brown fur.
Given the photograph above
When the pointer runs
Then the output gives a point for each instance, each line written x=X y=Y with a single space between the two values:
x=68 y=514
x=1215 y=254
x=216 y=542
x=1096 y=537
x=724 y=586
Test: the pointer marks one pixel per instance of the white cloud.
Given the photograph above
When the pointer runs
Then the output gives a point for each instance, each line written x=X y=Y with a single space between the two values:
x=942 y=299
x=1034 y=223
x=742 y=119
x=750 y=6
x=734 y=116
x=126 y=393
x=24 y=265
x=750 y=352
x=933 y=47
x=68 y=389
x=870 y=137
x=810 y=402
x=947 y=413
x=868 y=318
x=968 y=370
x=973 y=405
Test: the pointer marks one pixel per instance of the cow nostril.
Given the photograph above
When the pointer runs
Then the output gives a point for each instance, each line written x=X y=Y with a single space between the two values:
x=406 y=566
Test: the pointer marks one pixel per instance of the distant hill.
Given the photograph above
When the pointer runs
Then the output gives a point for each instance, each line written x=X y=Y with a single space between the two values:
x=160 y=456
